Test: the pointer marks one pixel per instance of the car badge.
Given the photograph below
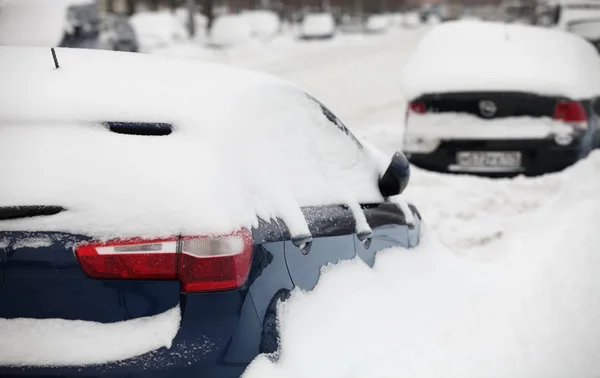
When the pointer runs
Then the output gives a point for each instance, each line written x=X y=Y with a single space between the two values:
x=487 y=108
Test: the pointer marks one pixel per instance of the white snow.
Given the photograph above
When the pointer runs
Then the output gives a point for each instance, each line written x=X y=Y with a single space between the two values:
x=231 y=29
x=378 y=23
x=60 y=342
x=525 y=306
x=318 y=25
x=34 y=22
x=156 y=29
x=264 y=24
x=240 y=141
x=466 y=126
x=486 y=56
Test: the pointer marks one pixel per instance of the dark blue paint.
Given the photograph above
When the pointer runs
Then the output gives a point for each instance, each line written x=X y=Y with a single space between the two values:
x=220 y=333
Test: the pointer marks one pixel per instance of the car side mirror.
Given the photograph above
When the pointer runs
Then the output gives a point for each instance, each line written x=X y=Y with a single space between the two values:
x=395 y=179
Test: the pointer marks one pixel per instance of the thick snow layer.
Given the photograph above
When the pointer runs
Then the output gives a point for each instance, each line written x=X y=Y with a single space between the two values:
x=318 y=25
x=530 y=309
x=230 y=30
x=466 y=126
x=156 y=29
x=34 y=22
x=60 y=342
x=263 y=23
x=483 y=56
x=244 y=145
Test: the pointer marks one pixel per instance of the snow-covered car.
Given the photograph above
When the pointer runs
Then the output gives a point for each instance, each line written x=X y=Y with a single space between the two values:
x=588 y=29
x=515 y=104
x=117 y=34
x=377 y=23
x=317 y=26
x=155 y=212
x=411 y=19
x=230 y=30
x=67 y=23
x=157 y=29
x=264 y=24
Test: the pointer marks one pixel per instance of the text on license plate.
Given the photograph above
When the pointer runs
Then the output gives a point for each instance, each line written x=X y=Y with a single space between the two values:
x=488 y=159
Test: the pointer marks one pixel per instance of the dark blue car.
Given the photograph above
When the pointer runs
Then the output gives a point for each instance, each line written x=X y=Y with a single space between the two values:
x=206 y=304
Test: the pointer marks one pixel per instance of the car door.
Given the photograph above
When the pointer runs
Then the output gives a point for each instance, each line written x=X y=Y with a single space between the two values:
x=333 y=231
x=389 y=230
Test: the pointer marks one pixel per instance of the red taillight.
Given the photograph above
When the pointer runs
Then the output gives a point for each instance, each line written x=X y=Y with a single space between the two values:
x=417 y=107
x=202 y=263
x=571 y=112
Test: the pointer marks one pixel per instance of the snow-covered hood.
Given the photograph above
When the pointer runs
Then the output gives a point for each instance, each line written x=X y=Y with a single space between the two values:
x=473 y=56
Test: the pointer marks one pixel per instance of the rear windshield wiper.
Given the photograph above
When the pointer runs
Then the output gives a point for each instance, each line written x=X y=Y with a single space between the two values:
x=15 y=212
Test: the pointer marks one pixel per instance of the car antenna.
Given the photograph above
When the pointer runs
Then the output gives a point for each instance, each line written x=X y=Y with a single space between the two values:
x=54 y=58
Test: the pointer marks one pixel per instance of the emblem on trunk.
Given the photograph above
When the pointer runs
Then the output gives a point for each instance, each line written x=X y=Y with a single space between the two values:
x=487 y=108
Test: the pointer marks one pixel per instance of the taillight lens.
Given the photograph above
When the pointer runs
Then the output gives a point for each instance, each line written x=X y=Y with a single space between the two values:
x=417 y=107
x=200 y=263
x=572 y=113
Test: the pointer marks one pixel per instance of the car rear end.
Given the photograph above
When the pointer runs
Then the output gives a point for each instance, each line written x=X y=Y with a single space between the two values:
x=75 y=306
x=497 y=133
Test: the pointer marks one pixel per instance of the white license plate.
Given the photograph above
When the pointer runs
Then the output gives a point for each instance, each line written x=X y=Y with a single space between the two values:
x=489 y=159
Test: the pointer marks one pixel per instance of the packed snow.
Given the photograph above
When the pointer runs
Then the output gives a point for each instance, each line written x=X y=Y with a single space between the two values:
x=484 y=56
x=60 y=342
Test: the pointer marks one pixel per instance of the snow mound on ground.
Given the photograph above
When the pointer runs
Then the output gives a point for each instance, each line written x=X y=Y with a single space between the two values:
x=487 y=56
x=243 y=145
x=157 y=29
x=532 y=312
x=60 y=342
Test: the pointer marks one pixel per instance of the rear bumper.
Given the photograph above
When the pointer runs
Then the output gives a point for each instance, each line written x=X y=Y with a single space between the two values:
x=218 y=337
x=538 y=157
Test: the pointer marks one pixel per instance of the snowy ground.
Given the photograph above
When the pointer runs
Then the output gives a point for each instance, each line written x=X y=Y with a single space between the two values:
x=504 y=283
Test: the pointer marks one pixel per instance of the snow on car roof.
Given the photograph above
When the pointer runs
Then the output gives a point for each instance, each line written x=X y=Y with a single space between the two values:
x=486 y=56
x=243 y=145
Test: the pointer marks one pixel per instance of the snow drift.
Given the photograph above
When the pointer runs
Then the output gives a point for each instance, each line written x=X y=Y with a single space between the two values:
x=530 y=311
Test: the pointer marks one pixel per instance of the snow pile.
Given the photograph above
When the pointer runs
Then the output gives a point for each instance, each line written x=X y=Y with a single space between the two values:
x=486 y=56
x=200 y=21
x=244 y=145
x=231 y=29
x=61 y=342
x=532 y=311
x=411 y=19
x=156 y=29
x=263 y=23
x=34 y=22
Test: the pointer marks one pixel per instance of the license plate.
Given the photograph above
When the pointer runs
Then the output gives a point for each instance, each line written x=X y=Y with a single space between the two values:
x=489 y=159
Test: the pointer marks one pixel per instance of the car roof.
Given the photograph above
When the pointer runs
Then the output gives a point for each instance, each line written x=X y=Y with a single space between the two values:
x=487 y=56
x=116 y=86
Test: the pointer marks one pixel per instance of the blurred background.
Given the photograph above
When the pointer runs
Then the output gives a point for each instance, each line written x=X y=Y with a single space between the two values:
x=145 y=25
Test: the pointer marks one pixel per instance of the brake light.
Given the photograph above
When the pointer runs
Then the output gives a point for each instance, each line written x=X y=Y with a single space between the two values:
x=200 y=263
x=417 y=107
x=572 y=113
